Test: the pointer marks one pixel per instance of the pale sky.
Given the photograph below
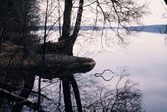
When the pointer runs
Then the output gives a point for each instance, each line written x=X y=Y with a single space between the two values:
x=157 y=8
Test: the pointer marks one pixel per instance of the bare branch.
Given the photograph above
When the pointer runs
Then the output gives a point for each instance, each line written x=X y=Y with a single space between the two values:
x=78 y=21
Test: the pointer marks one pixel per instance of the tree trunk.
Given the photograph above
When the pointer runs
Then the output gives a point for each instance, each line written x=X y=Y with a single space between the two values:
x=67 y=42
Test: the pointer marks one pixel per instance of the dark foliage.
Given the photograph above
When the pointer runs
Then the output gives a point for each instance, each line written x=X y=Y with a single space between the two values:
x=18 y=18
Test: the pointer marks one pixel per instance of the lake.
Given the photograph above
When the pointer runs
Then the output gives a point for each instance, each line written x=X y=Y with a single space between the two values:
x=146 y=59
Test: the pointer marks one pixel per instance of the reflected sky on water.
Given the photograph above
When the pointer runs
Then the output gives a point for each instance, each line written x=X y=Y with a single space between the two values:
x=146 y=59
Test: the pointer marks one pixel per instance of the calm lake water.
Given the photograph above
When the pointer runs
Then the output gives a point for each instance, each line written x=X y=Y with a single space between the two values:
x=146 y=59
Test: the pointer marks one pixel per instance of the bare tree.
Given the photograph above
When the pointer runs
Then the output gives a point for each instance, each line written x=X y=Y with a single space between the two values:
x=120 y=12
x=108 y=13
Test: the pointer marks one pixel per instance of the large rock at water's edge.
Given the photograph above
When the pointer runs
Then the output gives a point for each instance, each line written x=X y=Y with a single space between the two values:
x=55 y=65
x=19 y=67
x=64 y=65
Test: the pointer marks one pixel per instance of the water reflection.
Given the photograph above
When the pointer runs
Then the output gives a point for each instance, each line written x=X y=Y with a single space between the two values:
x=146 y=58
